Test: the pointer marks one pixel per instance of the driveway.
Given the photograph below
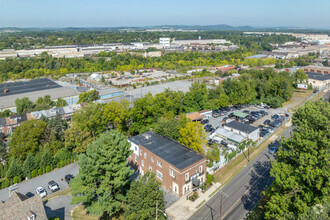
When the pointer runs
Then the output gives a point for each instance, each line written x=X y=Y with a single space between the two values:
x=28 y=187
x=59 y=207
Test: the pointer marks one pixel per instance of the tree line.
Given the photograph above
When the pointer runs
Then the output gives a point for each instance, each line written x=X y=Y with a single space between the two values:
x=300 y=189
x=40 y=39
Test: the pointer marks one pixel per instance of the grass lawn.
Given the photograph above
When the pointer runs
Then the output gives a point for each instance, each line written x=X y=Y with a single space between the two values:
x=80 y=213
x=64 y=192
x=298 y=97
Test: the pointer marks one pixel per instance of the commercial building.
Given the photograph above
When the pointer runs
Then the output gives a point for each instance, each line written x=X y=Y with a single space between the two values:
x=245 y=130
x=176 y=166
x=228 y=136
x=165 y=41
x=317 y=69
x=317 y=80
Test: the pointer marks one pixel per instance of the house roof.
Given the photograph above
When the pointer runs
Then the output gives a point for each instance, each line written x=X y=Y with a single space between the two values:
x=241 y=127
x=169 y=150
x=240 y=114
x=194 y=116
x=19 y=206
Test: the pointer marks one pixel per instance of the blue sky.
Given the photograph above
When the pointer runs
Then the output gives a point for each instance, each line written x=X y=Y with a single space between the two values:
x=113 y=13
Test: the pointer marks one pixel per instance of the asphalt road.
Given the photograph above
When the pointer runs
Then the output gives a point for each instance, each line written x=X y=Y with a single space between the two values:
x=243 y=192
x=28 y=187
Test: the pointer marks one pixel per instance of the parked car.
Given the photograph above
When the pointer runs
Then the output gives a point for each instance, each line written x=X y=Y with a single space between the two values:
x=273 y=150
x=266 y=122
x=53 y=186
x=208 y=128
x=225 y=118
x=41 y=192
x=205 y=121
x=68 y=178
x=246 y=111
x=275 y=124
x=315 y=90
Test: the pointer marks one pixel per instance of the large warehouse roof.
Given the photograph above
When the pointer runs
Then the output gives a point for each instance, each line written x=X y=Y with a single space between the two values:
x=14 y=88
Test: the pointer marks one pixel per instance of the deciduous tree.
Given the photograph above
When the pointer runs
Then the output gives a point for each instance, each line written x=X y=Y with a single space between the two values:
x=193 y=136
x=142 y=197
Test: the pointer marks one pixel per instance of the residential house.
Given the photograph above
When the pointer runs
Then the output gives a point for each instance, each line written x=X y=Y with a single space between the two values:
x=176 y=166
x=19 y=206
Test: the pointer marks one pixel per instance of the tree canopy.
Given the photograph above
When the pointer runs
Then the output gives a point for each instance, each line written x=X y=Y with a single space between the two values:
x=302 y=171
x=103 y=174
x=142 y=197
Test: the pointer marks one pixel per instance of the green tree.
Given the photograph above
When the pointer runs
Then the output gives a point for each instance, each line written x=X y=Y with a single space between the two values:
x=90 y=96
x=142 y=197
x=14 y=169
x=213 y=154
x=46 y=159
x=300 y=76
x=117 y=114
x=245 y=144
x=61 y=103
x=302 y=169
x=29 y=165
x=24 y=105
x=3 y=152
x=103 y=174
x=88 y=124
x=26 y=139
x=193 y=136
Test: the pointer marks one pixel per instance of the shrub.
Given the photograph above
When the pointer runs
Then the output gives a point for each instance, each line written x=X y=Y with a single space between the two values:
x=7 y=183
x=47 y=169
x=40 y=172
x=33 y=173
x=16 y=179
x=209 y=179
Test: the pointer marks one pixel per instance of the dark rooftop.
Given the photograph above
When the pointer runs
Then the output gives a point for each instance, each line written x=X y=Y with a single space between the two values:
x=27 y=86
x=2 y=121
x=241 y=127
x=318 y=76
x=169 y=150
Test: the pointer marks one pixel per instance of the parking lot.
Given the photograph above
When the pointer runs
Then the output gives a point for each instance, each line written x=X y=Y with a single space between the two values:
x=219 y=121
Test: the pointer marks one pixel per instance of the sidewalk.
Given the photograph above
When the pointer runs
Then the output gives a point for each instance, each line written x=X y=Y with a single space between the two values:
x=184 y=209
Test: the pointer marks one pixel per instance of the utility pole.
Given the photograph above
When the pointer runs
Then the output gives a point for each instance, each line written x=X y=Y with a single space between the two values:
x=156 y=210
x=221 y=206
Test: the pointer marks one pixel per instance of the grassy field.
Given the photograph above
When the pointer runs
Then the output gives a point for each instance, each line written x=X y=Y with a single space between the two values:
x=298 y=97
x=80 y=213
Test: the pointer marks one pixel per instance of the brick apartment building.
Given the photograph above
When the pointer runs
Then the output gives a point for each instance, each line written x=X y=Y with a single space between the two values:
x=176 y=166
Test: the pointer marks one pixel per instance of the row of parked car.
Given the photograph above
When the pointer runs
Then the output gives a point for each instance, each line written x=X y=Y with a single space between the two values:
x=53 y=186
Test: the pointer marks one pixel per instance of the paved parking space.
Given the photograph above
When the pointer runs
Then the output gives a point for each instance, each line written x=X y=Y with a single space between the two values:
x=28 y=187
x=59 y=207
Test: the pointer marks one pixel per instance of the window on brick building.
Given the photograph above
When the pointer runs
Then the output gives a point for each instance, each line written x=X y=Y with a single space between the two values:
x=187 y=176
x=141 y=152
x=152 y=159
x=159 y=163
x=172 y=173
x=145 y=155
x=201 y=169
x=150 y=168
x=159 y=175
x=142 y=163
x=135 y=158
